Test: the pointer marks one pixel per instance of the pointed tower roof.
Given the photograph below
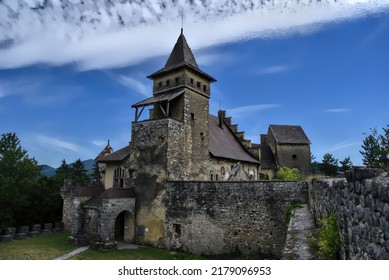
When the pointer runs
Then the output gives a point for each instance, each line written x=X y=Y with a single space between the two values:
x=181 y=56
x=106 y=151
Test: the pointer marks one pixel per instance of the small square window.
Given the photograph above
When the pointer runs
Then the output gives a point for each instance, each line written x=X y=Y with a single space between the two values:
x=294 y=156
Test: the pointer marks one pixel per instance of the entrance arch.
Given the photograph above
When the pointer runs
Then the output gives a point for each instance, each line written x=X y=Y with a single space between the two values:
x=124 y=227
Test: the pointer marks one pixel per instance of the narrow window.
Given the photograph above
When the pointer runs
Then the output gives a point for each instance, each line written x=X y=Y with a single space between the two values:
x=167 y=83
x=177 y=81
x=204 y=88
x=217 y=177
x=177 y=230
x=198 y=84
x=202 y=136
x=211 y=177
x=160 y=84
x=294 y=156
x=192 y=116
x=223 y=171
x=191 y=81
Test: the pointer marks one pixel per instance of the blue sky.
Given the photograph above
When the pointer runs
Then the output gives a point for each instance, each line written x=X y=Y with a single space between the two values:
x=69 y=74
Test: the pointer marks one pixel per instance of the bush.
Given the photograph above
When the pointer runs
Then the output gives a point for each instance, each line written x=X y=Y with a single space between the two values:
x=329 y=240
x=285 y=173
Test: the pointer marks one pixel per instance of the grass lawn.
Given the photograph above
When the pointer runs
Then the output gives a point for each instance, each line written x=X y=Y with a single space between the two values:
x=55 y=245
x=37 y=248
x=142 y=253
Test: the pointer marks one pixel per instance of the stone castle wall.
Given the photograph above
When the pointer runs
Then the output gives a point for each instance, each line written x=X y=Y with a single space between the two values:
x=361 y=205
x=246 y=218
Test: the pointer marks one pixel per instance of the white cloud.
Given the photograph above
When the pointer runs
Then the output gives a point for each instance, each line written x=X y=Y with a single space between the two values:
x=337 y=110
x=340 y=146
x=57 y=143
x=111 y=34
x=246 y=110
x=99 y=143
x=136 y=85
x=273 y=69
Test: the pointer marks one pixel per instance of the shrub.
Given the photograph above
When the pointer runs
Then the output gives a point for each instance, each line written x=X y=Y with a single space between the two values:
x=329 y=240
x=285 y=173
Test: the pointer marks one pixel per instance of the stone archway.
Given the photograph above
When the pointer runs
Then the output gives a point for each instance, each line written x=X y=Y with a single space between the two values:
x=124 y=227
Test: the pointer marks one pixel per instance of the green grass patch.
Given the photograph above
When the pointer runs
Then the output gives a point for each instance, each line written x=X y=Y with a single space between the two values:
x=142 y=253
x=37 y=248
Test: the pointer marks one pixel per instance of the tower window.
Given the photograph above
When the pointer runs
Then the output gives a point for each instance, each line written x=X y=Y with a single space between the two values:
x=294 y=156
x=198 y=84
x=192 y=116
x=160 y=84
x=177 y=230
x=177 y=80
x=204 y=88
x=167 y=83
x=191 y=81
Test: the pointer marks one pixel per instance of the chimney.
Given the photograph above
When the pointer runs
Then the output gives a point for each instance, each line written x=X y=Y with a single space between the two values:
x=222 y=115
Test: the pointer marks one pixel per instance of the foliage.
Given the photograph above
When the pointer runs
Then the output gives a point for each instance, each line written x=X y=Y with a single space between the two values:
x=329 y=165
x=346 y=164
x=19 y=174
x=376 y=149
x=286 y=173
x=26 y=197
x=79 y=173
x=37 y=248
x=325 y=243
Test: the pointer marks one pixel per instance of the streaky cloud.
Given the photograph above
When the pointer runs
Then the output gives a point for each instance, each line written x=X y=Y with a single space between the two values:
x=244 y=110
x=114 y=34
x=57 y=143
x=337 y=110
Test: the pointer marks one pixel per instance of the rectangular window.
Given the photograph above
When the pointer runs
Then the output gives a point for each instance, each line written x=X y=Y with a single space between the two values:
x=211 y=177
x=204 y=88
x=167 y=83
x=294 y=156
x=192 y=116
x=191 y=81
x=177 y=230
x=217 y=177
x=198 y=84
x=177 y=81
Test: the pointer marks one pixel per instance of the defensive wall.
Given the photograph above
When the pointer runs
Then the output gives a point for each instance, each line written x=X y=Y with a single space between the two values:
x=245 y=218
x=361 y=205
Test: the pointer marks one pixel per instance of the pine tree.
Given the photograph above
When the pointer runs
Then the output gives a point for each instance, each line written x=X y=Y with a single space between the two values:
x=79 y=174
x=376 y=149
x=329 y=165
x=346 y=164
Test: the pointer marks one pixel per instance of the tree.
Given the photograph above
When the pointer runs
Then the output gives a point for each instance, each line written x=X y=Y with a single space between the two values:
x=329 y=165
x=346 y=164
x=18 y=174
x=79 y=173
x=376 y=149
x=315 y=165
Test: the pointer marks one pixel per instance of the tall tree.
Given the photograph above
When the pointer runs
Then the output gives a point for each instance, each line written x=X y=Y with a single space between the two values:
x=79 y=173
x=329 y=165
x=376 y=149
x=18 y=174
x=346 y=164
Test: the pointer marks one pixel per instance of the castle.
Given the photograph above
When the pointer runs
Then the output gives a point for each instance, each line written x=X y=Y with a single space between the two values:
x=188 y=179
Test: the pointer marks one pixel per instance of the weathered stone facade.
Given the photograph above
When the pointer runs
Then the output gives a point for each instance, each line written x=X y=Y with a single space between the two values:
x=361 y=206
x=248 y=218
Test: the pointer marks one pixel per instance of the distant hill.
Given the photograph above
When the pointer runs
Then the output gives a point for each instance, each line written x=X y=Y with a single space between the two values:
x=50 y=171
x=47 y=170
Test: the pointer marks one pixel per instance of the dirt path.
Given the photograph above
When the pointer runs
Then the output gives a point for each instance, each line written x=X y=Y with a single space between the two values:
x=301 y=227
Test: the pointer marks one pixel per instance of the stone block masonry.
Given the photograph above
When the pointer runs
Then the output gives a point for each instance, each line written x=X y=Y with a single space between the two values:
x=243 y=218
x=361 y=205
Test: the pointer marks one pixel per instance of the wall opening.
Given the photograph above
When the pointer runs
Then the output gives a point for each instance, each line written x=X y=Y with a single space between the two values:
x=124 y=227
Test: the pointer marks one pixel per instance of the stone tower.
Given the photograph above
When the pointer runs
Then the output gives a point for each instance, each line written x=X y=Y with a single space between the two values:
x=173 y=143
